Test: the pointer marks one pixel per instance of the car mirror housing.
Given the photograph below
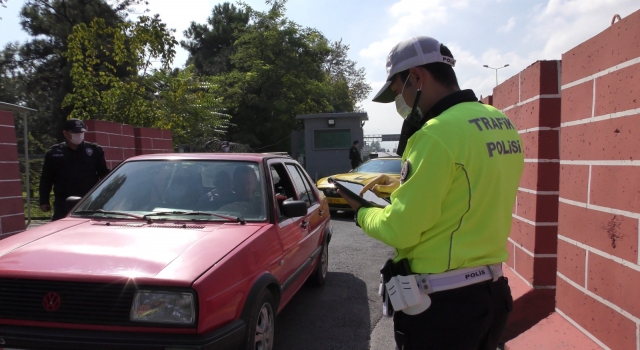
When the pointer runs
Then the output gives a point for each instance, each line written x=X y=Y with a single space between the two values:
x=71 y=202
x=294 y=209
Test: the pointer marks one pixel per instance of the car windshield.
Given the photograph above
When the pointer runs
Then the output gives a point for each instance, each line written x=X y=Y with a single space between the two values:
x=386 y=166
x=178 y=188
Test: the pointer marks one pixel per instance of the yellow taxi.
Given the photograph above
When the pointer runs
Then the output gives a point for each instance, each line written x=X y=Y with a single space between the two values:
x=363 y=175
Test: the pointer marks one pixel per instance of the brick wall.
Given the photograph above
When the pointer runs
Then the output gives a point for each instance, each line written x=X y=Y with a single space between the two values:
x=531 y=99
x=121 y=141
x=149 y=141
x=11 y=207
x=598 y=261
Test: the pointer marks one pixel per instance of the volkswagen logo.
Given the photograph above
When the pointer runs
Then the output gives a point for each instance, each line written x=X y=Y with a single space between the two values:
x=51 y=301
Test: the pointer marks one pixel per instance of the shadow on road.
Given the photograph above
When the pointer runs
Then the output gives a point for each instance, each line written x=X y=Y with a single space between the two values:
x=335 y=316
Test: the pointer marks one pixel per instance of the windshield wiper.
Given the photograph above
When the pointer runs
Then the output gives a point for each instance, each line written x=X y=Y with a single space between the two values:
x=182 y=213
x=108 y=212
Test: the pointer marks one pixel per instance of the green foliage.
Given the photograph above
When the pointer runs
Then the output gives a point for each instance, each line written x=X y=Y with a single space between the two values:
x=280 y=70
x=210 y=45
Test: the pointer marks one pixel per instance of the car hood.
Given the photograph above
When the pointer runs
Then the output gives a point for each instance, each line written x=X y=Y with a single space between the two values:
x=361 y=178
x=93 y=250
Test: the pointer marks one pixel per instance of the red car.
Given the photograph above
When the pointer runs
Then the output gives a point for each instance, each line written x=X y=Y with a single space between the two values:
x=170 y=251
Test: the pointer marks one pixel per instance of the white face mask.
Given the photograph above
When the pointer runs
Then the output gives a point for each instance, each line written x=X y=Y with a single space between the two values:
x=401 y=106
x=77 y=139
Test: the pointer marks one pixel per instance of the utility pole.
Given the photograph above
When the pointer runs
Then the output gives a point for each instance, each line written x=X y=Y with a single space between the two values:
x=496 y=69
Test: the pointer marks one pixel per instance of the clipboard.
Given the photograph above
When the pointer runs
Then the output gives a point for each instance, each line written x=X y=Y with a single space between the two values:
x=352 y=190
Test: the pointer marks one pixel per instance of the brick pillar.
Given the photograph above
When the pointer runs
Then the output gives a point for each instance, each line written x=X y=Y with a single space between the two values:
x=598 y=261
x=11 y=206
x=531 y=99
x=488 y=100
x=149 y=141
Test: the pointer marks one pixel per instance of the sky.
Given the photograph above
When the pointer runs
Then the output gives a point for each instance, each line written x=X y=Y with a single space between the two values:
x=478 y=32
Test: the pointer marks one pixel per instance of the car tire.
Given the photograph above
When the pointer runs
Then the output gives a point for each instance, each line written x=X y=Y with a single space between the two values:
x=319 y=276
x=261 y=325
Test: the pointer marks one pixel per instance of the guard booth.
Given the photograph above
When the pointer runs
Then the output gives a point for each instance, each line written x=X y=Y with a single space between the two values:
x=323 y=146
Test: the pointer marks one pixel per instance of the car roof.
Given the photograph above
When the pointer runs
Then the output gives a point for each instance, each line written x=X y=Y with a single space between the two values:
x=254 y=157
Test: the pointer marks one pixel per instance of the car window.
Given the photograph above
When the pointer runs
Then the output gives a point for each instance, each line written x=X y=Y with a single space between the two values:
x=282 y=187
x=387 y=166
x=142 y=187
x=305 y=193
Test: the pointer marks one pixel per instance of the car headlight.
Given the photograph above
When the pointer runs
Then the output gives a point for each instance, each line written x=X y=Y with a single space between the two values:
x=163 y=307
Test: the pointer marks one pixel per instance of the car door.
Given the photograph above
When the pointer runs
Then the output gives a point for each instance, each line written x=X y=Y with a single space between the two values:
x=290 y=230
x=312 y=222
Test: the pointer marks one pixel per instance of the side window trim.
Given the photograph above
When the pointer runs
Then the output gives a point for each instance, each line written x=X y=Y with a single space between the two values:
x=311 y=194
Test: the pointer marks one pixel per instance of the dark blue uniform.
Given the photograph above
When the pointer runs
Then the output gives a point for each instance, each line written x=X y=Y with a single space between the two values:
x=71 y=173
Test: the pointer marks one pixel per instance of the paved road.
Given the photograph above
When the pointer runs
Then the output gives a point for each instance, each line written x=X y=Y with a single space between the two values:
x=345 y=313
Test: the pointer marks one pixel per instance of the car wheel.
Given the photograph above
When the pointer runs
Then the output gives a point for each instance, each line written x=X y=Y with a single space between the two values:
x=319 y=276
x=261 y=326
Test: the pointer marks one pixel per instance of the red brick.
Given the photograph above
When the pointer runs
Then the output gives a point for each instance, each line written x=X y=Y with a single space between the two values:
x=536 y=239
x=540 y=78
x=618 y=91
x=540 y=176
x=12 y=223
x=574 y=182
x=100 y=138
x=116 y=140
x=148 y=132
x=143 y=143
x=609 y=326
x=550 y=109
x=112 y=153
x=613 y=234
x=616 y=187
x=128 y=141
x=9 y=206
x=11 y=189
x=510 y=260
x=7 y=134
x=616 y=44
x=127 y=130
x=9 y=171
x=167 y=135
x=538 y=208
x=159 y=144
x=544 y=271
x=613 y=282
x=104 y=126
x=611 y=139
x=577 y=102
x=8 y=153
x=541 y=144
x=128 y=153
x=6 y=118
x=506 y=94
x=524 y=264
x=571 y=261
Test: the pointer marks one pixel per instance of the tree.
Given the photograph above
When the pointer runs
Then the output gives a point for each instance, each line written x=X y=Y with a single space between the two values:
x=281 y=70
x=210 y=45
x=150 y=97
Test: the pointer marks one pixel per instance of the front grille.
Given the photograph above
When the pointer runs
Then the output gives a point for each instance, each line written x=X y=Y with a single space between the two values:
x=86 y=303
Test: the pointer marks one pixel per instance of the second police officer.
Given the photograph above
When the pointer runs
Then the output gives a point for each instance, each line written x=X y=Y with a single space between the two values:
x=71 y=167
x=450 y=212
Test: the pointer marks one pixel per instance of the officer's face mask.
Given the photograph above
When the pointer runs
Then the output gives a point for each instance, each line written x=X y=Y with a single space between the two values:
x=401 y=106
x=77 y=139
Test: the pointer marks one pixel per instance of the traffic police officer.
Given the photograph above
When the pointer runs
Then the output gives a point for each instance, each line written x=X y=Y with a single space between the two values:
x=72 y=167
x=450 y=212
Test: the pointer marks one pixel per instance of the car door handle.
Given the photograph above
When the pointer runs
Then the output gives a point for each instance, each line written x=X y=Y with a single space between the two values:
x=321 y=212
x=304 y=223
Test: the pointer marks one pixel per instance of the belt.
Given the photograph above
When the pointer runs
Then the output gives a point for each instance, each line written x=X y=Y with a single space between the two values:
x=431 y=283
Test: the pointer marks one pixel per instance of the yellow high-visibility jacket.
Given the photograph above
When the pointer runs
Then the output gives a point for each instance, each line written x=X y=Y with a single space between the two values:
x=461 y=172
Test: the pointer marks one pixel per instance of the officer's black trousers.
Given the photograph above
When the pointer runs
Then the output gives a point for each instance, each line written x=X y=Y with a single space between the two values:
x=471 y=317
x=59 y=211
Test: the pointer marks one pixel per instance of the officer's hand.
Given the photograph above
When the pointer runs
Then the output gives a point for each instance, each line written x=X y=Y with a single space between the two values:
x=45 y=208
x=382 y=186
x=355 y=205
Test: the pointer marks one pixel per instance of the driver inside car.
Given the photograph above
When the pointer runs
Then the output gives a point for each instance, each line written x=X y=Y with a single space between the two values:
x=247 y=197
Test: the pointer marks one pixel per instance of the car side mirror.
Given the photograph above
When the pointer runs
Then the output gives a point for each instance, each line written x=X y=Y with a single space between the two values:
x=294 y=209
x=71 y=202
